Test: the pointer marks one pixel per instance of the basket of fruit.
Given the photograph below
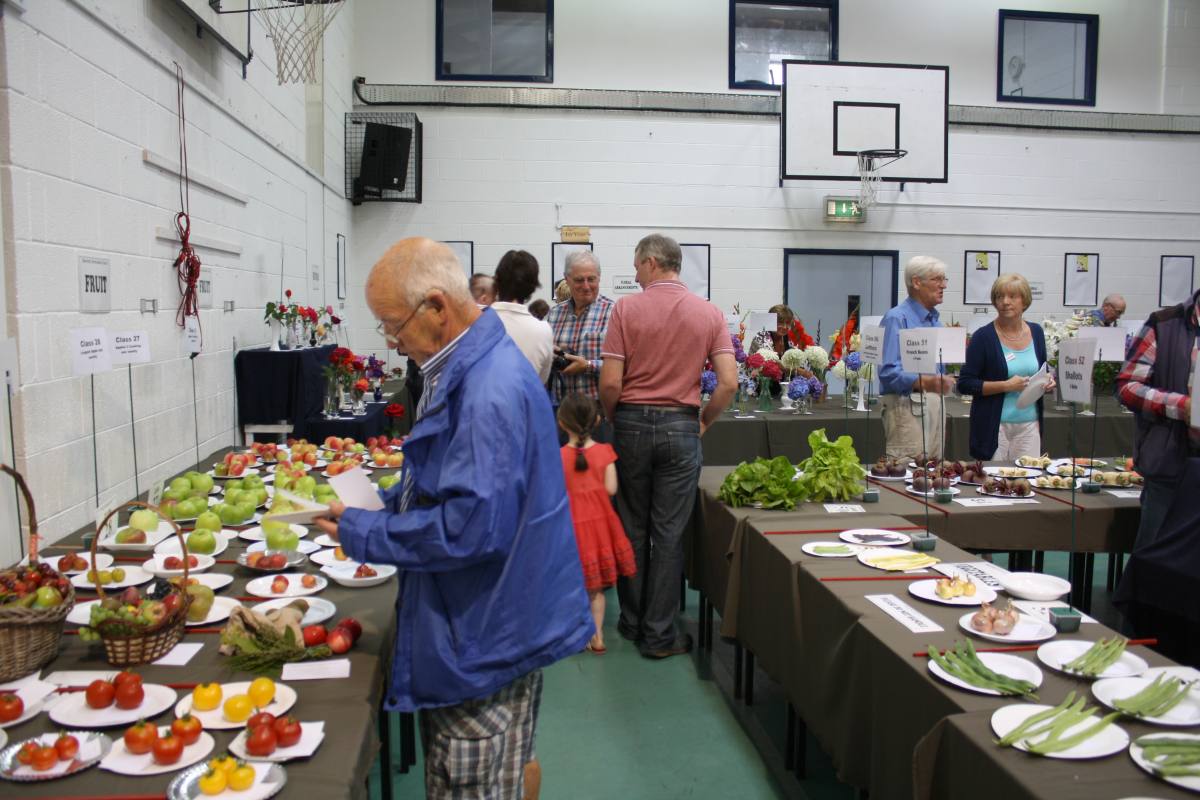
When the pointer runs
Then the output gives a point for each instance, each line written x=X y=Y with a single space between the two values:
x=34 y=601
x=135 y=629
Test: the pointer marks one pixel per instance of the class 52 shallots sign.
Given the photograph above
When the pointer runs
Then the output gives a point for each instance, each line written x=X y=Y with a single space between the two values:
x=1075 y=360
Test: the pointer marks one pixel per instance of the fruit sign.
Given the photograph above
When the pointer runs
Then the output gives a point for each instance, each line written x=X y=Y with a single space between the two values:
x=94 y=295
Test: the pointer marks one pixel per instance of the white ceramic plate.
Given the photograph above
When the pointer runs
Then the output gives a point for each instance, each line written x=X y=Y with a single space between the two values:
x=907 y=476
x=256 y=534
x=846 y=550
x=1112 y=739
x=261 y=587
x=1056 y=654
x=72 y=711
x=1191 y=783
x=318 y=610
x=34 y=702
x=953 y=481
x=927 y=590
x=103 y=561
x=171 y=546
x=222 y=607
x=134 y=576
x=325 y=540
x=153 y=537
x=245 y=472
x=875 y=537
x=1013 y=472
x=1058 y=469
x=1010 y=666
x=1185 y=714
x=1006 y=495
x=868 y=557
x=908 y=488
x=123 y=762
x=346 y=577
x=1039 y=483
x=214 y=580
x=155 y=566
x=301 y=546
x=1026 y=630
x=285 y=698
x=301 y=749
x=325 y=558
x=1034 y=586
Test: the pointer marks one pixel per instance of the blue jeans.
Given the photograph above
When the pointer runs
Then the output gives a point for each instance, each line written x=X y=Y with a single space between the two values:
x=658 y=466
x=1156 y=501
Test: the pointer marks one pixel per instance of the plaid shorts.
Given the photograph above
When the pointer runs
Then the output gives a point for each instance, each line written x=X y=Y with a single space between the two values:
x=478 y=750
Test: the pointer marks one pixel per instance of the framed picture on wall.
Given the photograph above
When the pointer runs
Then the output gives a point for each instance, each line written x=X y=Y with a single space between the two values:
x=1175 y=282
x=340 y=247
x=466 y=255
x=558 y=259
x=1081 y=279
x=980 y=270
x=1047 y=57
x=696 y=269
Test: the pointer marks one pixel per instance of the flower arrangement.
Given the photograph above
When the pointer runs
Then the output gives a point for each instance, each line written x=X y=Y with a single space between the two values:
x=708 y=382
x=798 y=337
x=362 y=385
x=794 y=360
x=394 y=412
x=768 y=353
x=772 y=370
x=842 y=339
x=739 y=354
x=798 y=388
x=818 y=359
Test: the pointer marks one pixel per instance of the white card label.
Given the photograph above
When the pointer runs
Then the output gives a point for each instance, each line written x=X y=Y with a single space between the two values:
x=1110 y=342
x=130 y=347
x=1075 y=369
x=191 y=329
x=952 y=345
x=156 y=493
x=1125 y=494
x=89 y=351
x=1042 y=610
x=109 y=529
x=844 y=508
x=905 y=614
x=982 y=571
x=625 y=284
x=94 y=294
x=760 y=321
x=918 y=350
x=982 y=502
x=871 y=344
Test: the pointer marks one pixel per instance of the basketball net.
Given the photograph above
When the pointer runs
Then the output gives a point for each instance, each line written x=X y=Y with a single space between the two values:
x=870 y=162
x=296 y=28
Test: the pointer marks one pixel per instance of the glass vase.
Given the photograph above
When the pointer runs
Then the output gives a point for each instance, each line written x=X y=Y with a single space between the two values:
x=275 y=333
x=805 y=405
x=333 y=398
x=764 y=395
x=293 y=338
x=360 y=406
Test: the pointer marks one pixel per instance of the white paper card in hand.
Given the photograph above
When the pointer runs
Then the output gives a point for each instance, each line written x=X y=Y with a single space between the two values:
x=306 y=510
x=905 y=614
x=316 y=670
x=355 y=490
x=179 y=655
x=1036 y=387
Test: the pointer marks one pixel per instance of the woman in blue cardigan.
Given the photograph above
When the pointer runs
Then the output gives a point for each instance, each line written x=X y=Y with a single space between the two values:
x=1001 y=358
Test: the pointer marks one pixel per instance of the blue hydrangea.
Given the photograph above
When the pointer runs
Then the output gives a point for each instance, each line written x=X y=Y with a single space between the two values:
x=749 y=385
x=798 y=388
x=815 y=386
x=708 y=382
x=854 y=361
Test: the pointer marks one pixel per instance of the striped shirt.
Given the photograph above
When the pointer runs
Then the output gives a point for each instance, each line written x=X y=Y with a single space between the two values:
x=583 y=335
x=431 y=371
x=1135 y=391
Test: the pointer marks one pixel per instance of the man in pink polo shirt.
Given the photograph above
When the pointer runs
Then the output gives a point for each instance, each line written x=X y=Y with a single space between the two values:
x=654 y=351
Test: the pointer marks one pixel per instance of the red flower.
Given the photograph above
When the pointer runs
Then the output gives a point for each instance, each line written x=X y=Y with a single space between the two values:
x=288 y=294
x=772 y=370
x=394 y=410
x=340 y=354
x=362 y=384
x=755 y=361
x=357 y=365
x=329 y=310
x=335 y=320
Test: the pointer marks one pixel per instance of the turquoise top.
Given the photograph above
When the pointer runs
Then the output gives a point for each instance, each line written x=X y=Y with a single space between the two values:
x=1020 y=362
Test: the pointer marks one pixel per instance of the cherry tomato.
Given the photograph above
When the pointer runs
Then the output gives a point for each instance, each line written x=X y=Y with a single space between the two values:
x=125 y=676
x=238 y=708
x=261 y=692
x=261 y=741
x=213 y=781
x=167 y=749
x=287 y=731
x=224 y=764
x=140 y=737
x=100 y=694
x=67 y=746
x=242 y=777
x=187 y=728
x=130 y=694
x=261 y=718
x=44 y=758
x=206 y=696
x=11 y=706
x=25 y=754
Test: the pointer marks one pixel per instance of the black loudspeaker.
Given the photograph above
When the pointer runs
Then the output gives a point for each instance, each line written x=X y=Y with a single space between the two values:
x=384 y=165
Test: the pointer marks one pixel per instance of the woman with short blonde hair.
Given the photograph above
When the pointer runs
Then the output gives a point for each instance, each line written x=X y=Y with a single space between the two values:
x=1001 y=358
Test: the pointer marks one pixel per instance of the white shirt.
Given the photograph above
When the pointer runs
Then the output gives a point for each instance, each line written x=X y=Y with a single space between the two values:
x=533 y=336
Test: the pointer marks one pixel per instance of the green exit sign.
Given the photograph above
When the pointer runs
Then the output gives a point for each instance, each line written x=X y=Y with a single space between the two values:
x=844 y=209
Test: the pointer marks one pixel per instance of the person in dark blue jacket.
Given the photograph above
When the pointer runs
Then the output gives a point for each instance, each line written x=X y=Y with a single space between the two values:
x=1001 y=358
x=491 y=588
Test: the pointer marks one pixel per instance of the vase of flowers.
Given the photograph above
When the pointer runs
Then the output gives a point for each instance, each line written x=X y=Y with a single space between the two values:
x=818 y=362
x=333 y=397
x=359 y=389
x=273 y=315
x=394 y=413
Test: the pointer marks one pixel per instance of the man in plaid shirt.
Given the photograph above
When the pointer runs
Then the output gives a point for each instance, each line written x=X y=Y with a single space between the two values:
x=579 y=326
x=1156 y=384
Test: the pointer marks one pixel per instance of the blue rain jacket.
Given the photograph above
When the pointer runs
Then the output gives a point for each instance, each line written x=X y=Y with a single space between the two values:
x=490 y=584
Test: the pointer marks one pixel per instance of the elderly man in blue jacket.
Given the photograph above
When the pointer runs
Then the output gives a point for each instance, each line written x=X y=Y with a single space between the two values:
x=491 y=589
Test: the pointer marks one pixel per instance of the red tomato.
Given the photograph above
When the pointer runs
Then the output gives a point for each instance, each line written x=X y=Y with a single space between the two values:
x=125 y=676
x=168 y=749
x=261 y=718
x=261 y=741
x=44 y=758
x=100 y=694
x=287 y=731
x=340 y=640
x=11 y=706
x=130 y=694
x=314 y=635
x=66 y=746
x=140 y=738
x=25 y=754
x=187 y=728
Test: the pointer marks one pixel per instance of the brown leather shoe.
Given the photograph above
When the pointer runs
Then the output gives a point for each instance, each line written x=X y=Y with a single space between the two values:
x=681 y=645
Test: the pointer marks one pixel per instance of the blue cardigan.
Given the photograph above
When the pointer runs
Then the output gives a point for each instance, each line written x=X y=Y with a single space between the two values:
x=985 y=362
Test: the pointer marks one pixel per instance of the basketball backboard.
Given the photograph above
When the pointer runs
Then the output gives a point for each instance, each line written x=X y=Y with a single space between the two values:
x=834 y=109
x=227 y=21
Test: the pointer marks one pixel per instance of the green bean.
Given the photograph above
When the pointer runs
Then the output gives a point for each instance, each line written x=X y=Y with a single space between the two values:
x=1099 y=657
x=1016 y=733
x=1180 y=693
x=1177 y=772
x=1056 y=744
x=1150 y=697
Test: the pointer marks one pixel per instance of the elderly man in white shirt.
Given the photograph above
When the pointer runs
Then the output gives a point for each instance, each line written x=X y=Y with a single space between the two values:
x=516 y=279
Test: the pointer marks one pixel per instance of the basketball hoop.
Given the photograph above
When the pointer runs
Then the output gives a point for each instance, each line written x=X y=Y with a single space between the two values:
x=869 y=164
x=296 y=28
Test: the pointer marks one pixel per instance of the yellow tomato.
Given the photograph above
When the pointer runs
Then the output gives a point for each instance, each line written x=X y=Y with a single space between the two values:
x=262 y=692
x=241 y=778
x=206 y=697
x=238 y=708
x=213 y=781
x=225 y=764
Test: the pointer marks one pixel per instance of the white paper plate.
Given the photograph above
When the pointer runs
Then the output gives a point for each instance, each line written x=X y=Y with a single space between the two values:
x=1005 y=495
x=926 y=590
x=867 y=555
x=1025 y=472
x=155 y=568
x=875 y=537
x=346 y=577
x=1010 y=666
x=1185 y=714
x=34 y=698
x=1191 y=783
x=907 y=476
x=103 y=560
x=153 y=537
x=72 y=711
x=1025 y=631
x=256 y=534
x=123 y=762
x=214 y=580
x=310 y=740
x=318 y=610
x=908 y=488
x=269 y=780
x=171 y=546
x=325 y=558
x=222 y=607
x=301 y=546
x=285 y=698
x=325 y=540
x=134 y=576
x=1055 y=654
x=851 y=550
x=245 y=472
x=261 y=587
x=1113 y=739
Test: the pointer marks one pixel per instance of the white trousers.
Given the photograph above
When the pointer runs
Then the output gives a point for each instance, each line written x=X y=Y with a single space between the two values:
x=1018 y=439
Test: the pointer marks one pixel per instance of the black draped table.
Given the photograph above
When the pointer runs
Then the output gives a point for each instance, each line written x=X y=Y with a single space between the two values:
x=359 y=428
x=281 y=386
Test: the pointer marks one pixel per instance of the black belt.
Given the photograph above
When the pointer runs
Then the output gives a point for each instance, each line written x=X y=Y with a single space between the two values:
x=661 y=409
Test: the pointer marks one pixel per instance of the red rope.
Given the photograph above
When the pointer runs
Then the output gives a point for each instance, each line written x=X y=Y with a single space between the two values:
x=187 y=263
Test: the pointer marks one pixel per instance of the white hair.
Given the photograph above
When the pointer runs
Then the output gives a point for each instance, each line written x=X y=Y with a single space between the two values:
x=922 y=267
x=1114 y=299
x=576 y=257
x=436 y=268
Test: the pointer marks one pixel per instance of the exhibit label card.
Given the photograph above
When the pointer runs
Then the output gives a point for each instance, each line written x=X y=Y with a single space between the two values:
x=1110 y=342
x=191 y=329
x=89 y=351
x=1075 y=358
x=871 y=343
x=905 y=614
x=919 y=350
x=760 y=321
x=952 y=345
x=130 y=347
x=94 y=295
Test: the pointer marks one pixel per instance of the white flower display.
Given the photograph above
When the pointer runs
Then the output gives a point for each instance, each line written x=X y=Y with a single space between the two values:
x=866 y=371
x=768 y=354
x=794 y=359
x=818 y=358
x=839 y=370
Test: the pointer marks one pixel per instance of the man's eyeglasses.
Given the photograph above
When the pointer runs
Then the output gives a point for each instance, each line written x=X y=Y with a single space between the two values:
x=391 y=338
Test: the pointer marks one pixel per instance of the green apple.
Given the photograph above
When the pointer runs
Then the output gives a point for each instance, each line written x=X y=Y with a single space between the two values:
x=229 y=514
x=176 y=494
x=324 y=493
x=280 y=536
x=233 y=496
x=388 y=481
x=260 y=496
x=252 y=482
x=201 y=541
x=131 y=536
x=208 y=521
x=234 y=484
x=144 y=520
x=194 y=506
x=180 y=484
x=48 y=597
x=246 y=510
x=202 y=600
x=306 y=484
x=200 y=481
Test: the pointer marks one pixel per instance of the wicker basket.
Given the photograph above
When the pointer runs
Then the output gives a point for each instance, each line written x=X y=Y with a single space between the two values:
x=29 y=636
x=128 y=650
